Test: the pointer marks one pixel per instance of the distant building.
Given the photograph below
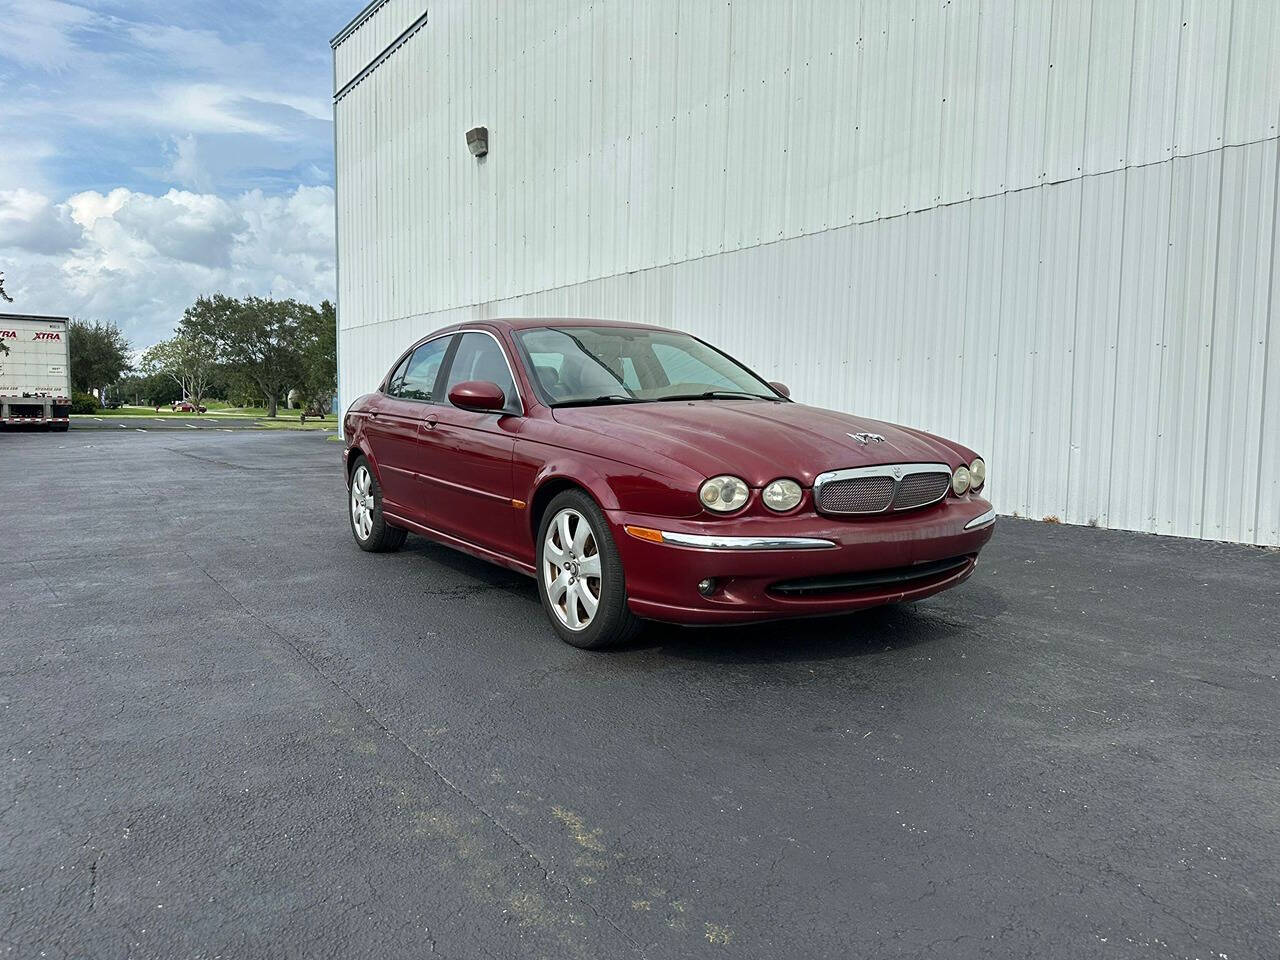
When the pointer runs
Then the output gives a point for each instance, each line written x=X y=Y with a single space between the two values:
x=1046 y=230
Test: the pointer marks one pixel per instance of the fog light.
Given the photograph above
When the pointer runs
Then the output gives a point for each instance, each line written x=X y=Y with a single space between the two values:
x=707 y=587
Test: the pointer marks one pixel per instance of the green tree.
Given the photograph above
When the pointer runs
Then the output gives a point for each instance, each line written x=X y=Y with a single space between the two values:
x=319 y=343
x=4 y=347
x=153 y=391
x=99 y=355
x=189 y=359
x=259 y=339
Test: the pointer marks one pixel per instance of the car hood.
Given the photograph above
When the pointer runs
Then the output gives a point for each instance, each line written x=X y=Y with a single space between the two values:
x=758 y=440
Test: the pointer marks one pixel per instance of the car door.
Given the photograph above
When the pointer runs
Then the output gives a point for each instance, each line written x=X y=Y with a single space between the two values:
x=467 y=454
x=394 y=424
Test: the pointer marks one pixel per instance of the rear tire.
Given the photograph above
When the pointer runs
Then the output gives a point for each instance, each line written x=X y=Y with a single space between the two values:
x=364 y=512
x=61 y=427
x=580 y=577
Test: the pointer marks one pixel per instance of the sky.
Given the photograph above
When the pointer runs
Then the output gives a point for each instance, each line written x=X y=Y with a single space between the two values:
x=152 y=151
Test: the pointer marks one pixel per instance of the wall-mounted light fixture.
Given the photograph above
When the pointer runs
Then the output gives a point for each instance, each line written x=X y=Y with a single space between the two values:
x=478 y=141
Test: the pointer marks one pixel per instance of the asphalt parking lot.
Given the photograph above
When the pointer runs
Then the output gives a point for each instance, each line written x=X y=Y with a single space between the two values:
x=225 y=731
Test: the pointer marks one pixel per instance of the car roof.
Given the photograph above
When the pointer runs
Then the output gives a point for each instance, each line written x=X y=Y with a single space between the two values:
x=527 y=323
x=513 y=324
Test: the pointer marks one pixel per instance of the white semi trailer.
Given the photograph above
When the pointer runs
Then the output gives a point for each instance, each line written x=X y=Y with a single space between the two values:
x=35 y=374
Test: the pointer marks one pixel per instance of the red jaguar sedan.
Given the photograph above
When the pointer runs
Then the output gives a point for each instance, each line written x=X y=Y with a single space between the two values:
x=638 y=472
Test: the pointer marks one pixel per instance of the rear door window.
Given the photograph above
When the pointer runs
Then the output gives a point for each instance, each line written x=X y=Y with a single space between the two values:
x=415 y=379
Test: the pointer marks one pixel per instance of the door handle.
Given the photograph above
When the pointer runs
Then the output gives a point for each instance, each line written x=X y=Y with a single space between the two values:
x=431 y=421
x=373 y=414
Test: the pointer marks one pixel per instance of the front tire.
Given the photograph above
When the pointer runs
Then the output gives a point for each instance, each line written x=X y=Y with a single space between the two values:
x=364 y=503
x=580 y=576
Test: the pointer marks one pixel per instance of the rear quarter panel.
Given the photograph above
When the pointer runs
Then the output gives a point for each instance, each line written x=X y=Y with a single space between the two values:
x=353 y=428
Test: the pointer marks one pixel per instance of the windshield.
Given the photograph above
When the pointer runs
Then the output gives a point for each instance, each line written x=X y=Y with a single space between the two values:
x=582 y=365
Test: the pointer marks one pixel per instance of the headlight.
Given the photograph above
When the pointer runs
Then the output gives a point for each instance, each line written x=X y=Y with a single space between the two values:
x=960 y=481
x=723 y=494
x=782 y=495
x=977 y=473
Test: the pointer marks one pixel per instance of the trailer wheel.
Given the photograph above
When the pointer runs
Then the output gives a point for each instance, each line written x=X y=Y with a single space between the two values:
x=60 y=427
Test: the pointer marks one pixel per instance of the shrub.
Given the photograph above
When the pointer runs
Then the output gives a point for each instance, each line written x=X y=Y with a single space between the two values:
x=83 y=403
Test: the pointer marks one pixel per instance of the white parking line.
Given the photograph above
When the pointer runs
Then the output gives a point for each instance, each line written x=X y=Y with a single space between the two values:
x=192 y=426
x=99 y=419
x=158 y=419
x=141 y=429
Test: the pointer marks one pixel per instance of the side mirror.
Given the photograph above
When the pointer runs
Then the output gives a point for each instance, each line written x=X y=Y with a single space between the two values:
x=782 y=388
x=477 y=395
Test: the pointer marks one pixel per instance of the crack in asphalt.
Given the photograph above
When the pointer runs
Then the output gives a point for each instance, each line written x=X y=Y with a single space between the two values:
x=453 y=787
x=93 y=882
x=40 y=576
x=214 y=460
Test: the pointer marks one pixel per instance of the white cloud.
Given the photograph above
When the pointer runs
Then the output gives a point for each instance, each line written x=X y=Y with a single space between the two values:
x=41 y=33
x=31 y=222
x=138 y=259
x=206 y=108
x=152 y=94
x=22 y=161
x=152 y=152
x=184 y=166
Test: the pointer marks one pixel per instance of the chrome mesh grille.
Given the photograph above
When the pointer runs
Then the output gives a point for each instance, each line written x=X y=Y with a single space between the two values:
x=921 y=489
x=877 y=490
x=859 y=495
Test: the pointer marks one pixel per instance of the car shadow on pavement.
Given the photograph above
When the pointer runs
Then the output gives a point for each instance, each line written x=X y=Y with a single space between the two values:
x=861 y=634
x=868 y=632
x=479 y=574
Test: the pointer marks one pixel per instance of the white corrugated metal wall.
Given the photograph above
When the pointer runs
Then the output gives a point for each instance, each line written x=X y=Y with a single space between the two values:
x=1046 y=229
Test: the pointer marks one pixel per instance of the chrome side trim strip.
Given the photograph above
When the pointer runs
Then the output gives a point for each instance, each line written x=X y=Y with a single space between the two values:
x=982 y=521
x=745 y=543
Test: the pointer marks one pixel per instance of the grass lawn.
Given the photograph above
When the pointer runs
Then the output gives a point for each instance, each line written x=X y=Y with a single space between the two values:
x=284 y=420
x=259 y=413
x=215 y=410
x=139 y=412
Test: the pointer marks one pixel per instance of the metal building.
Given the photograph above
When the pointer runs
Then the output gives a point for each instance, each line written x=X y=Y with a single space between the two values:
x=1047 y=230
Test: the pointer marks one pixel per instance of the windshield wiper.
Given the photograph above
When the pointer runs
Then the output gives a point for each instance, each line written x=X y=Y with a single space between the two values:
x=718 y=395
x=597 y=401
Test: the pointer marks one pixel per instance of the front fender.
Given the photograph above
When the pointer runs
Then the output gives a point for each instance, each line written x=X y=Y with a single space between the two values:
x=619 y=486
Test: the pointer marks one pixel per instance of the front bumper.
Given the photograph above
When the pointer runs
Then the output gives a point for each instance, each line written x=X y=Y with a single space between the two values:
x=663 y=577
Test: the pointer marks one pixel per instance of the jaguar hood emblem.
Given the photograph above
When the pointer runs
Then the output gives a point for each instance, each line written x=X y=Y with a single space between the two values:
x=865 y=438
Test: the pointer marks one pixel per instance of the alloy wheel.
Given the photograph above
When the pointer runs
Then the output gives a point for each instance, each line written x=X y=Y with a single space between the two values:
x=571 y=569
x=362 y=502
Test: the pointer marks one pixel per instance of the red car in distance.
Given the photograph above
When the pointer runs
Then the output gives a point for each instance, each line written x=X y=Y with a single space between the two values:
x=186 y=406
x=637 y=472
